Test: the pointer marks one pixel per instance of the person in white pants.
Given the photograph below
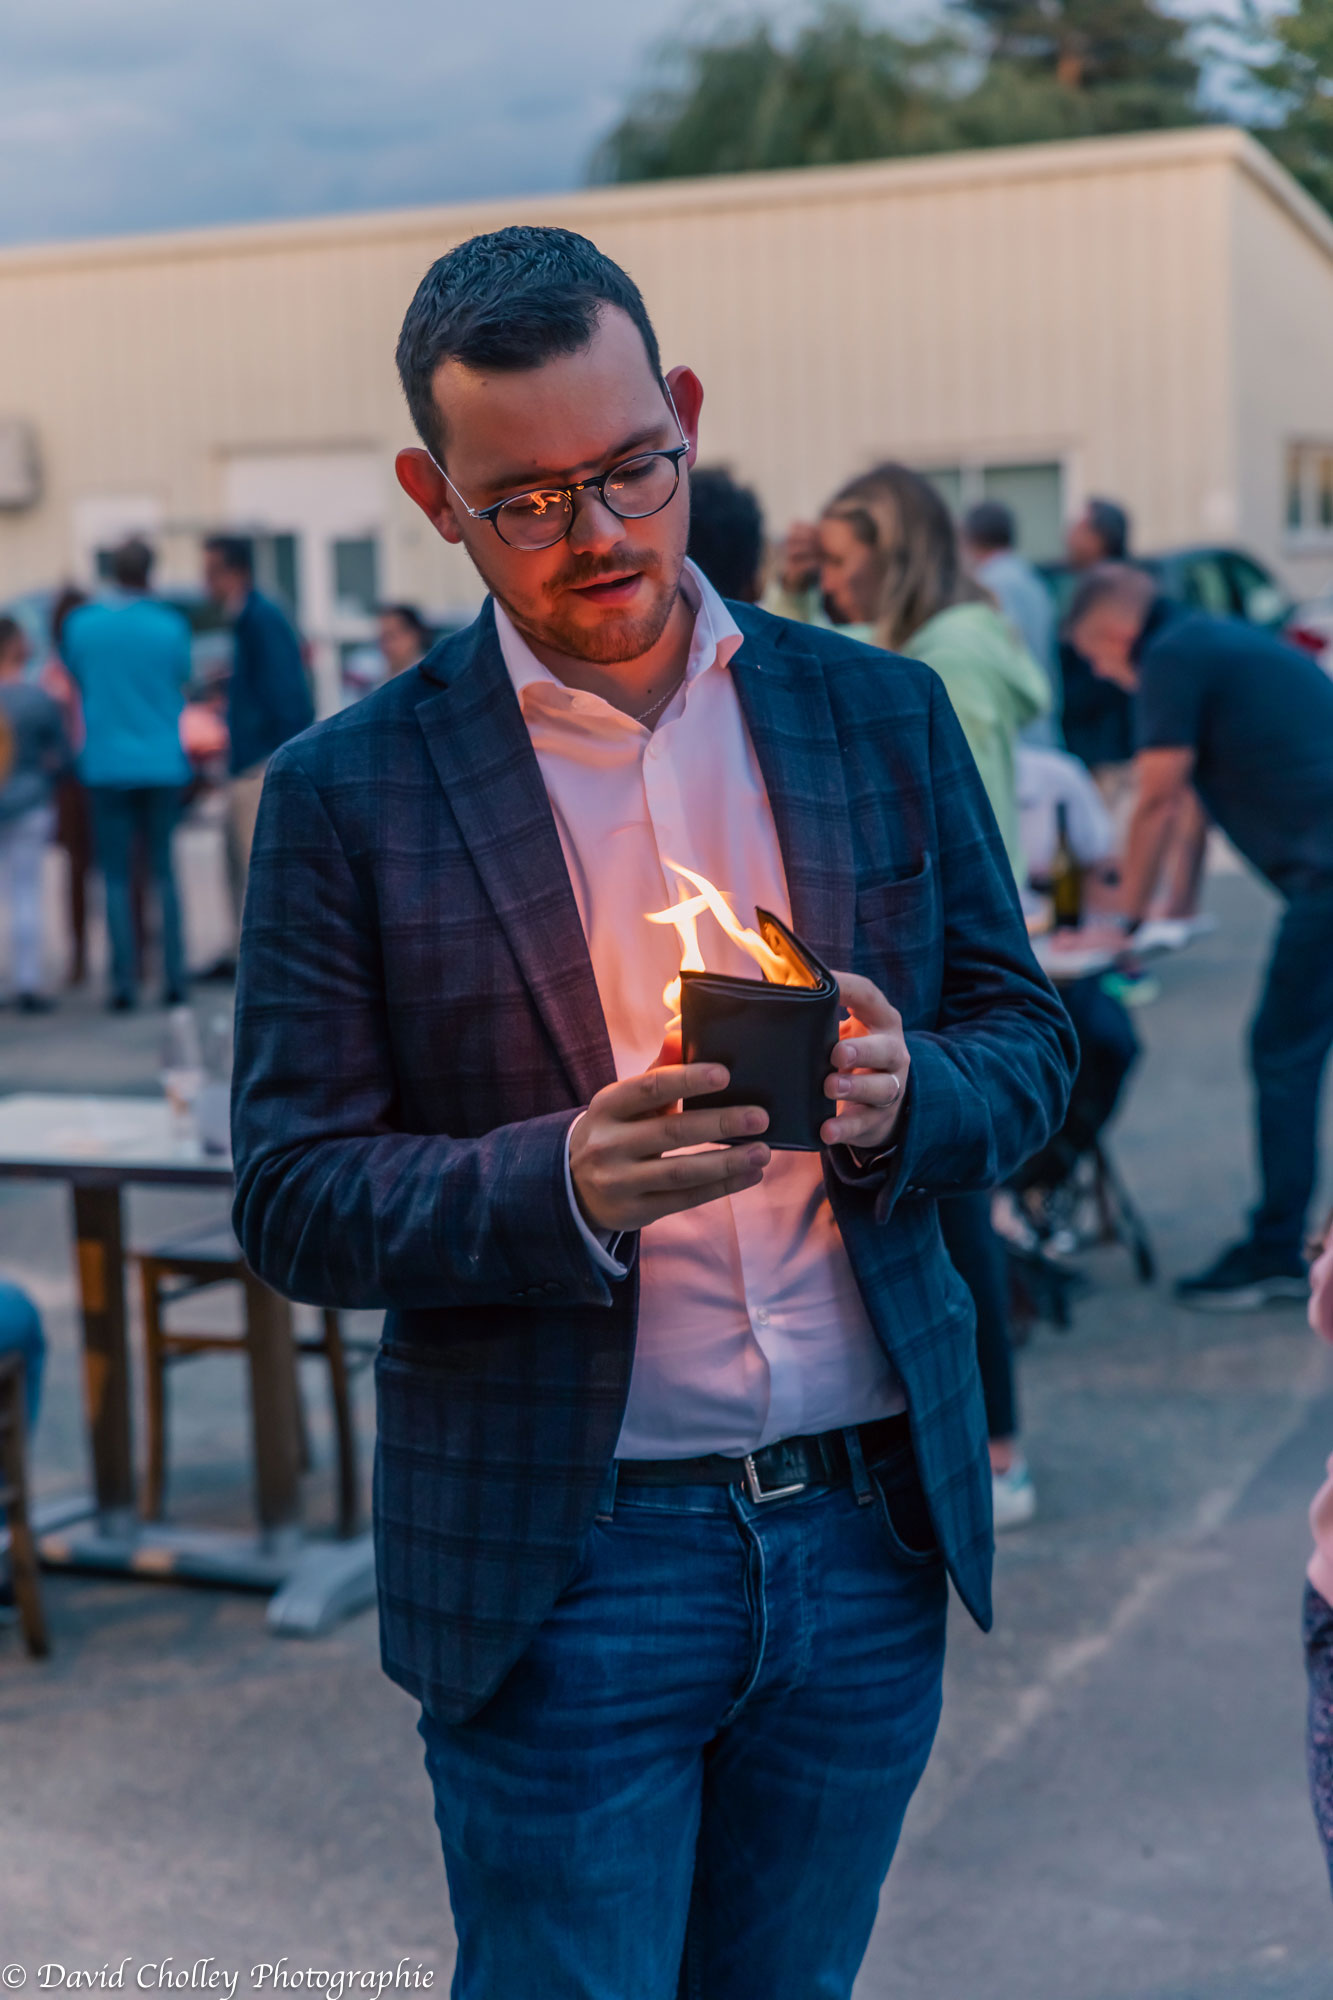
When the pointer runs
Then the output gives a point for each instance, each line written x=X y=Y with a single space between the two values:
x=33 y=752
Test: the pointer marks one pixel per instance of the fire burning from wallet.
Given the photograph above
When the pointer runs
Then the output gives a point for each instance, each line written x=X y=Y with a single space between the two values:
x=779 y=966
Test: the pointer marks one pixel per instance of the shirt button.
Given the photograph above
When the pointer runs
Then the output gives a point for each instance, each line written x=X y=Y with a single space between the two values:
x=761 y=1316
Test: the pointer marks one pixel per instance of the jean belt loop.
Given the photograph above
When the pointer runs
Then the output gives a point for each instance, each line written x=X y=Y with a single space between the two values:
x=856 y=1459
x=606 y=1499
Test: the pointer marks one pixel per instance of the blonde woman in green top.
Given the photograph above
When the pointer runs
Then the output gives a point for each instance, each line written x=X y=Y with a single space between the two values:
x=887 y=560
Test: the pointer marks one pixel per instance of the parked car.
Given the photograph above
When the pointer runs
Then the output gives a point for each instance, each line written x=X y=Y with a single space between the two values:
x=1311 y=627
x=1227 y=582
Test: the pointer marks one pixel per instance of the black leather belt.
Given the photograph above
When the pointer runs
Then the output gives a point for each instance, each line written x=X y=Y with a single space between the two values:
x=780 y=1469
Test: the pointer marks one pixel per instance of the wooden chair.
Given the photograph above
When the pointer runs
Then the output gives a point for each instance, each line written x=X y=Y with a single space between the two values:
x=14 y=1505
x=195 y=1261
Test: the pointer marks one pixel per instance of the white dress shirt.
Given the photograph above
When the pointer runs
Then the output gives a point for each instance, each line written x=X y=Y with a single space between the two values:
x=751 y=1327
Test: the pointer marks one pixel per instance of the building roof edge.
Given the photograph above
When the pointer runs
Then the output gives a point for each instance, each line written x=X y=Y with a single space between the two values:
x=1121 y=153
x=1274 y=179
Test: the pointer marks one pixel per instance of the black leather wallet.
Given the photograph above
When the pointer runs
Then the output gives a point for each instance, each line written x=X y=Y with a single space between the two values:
x=775 y=1038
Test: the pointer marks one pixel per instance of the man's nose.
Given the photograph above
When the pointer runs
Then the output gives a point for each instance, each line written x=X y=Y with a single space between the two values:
x=595 y=529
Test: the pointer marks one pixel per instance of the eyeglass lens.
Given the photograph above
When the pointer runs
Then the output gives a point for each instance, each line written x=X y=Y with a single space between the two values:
x=639 y=487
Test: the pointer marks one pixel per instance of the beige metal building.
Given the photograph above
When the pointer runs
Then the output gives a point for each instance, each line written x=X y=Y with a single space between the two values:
x=1146 y=317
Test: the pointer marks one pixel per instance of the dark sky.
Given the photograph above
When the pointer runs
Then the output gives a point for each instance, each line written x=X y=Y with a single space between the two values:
x=121 y=115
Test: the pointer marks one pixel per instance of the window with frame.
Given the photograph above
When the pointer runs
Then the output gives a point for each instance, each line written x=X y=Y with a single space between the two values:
x=1309 y=490
x=1034 y=493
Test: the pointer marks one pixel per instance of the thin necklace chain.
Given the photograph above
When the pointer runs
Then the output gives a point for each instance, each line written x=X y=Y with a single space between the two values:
x=649 y=713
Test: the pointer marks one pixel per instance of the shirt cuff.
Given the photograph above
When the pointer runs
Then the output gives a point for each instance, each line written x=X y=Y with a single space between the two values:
x=602 y=1244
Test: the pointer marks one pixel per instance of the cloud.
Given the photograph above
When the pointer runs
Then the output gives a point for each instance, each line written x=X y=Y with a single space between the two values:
x=125 y=115
x=158 y=113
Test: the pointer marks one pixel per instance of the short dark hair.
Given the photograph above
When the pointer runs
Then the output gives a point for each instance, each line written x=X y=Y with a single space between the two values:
x=1108 y=583
x=1110 y=524
x=410 y=616
x=990 y=525
x=10 y=630
x=509 y=300
x=234 y=552
x=132 y=564
x=726 y=533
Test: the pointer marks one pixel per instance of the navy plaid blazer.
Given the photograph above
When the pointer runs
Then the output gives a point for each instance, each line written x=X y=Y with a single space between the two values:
x=418 y=1025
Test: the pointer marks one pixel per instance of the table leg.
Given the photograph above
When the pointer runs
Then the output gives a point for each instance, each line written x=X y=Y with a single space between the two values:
x=274 y=1394
x=100 y=1250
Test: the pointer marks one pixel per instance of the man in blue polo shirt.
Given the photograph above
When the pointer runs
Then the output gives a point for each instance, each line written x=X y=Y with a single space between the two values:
x=130 y=656
x=1248 y=722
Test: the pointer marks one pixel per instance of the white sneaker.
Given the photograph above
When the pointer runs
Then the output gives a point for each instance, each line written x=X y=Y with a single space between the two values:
x=1014 y=1496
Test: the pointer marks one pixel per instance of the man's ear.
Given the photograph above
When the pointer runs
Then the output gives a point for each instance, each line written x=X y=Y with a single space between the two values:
x=687 y=393
x=422 y=481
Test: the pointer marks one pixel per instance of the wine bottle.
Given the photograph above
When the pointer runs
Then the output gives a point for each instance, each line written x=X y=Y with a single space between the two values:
x=1066 y=876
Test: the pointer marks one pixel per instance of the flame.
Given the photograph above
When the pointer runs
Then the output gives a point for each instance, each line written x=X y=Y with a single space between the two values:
x=685 y=914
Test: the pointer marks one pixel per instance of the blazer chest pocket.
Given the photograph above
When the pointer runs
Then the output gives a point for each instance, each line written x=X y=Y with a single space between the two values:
x=907 y=902
x=898 y=934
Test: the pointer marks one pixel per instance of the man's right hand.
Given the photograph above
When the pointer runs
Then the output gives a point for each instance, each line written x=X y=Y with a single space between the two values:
x=617 y=1149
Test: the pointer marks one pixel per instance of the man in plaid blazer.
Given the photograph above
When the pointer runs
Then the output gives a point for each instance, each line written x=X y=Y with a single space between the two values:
x=678 y=1651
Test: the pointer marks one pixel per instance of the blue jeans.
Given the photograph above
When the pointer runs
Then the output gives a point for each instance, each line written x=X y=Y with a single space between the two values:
x=21 y=1333
x=1289 y=1043
x=693 y=1782
x=120 y=814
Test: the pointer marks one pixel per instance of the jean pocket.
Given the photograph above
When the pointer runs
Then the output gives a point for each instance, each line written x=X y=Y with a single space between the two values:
x=904 y=1510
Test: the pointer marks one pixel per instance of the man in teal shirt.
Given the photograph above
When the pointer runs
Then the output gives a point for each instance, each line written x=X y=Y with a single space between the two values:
x=130 y=656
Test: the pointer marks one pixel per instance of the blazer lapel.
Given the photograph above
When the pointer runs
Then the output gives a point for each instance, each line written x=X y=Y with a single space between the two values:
x=480 y=747
x=785 y=701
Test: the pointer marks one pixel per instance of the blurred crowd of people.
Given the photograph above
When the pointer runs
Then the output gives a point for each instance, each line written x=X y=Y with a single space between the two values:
x=108 y=735
x=1072 y=724
x=1107 y=743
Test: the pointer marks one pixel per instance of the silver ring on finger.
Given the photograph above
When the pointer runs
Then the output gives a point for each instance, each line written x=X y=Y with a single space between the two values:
x=897 y=1083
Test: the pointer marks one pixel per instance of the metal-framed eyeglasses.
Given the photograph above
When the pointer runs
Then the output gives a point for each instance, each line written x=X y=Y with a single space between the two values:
x=634 y=489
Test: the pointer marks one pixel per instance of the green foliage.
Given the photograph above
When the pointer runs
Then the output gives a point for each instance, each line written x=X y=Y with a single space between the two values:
x=843 y=90
x=998 y=72
x=1060 y=69
x=1291 y=57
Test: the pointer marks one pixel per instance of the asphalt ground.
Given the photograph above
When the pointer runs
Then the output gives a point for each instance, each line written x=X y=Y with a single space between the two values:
x=1116 y=1805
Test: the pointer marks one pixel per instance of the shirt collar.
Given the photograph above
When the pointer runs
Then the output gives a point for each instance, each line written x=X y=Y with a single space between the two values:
x=714 y=642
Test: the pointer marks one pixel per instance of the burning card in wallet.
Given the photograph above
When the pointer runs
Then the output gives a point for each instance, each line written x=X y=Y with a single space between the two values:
x=776 y=1034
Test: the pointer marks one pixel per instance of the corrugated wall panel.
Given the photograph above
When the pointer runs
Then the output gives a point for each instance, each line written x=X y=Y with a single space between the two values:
x=1068 y=301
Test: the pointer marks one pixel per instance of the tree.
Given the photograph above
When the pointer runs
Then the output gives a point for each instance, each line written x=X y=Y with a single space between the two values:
x=1291 y=59
x=1062 y=69
x=844 y=89
x=741 y=99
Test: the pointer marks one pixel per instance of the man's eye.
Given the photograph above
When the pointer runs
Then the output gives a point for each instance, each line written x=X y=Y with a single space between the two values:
x=636 y=473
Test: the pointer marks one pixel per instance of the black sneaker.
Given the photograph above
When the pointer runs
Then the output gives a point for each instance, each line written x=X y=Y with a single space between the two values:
x=35 y=1003
x=1244 y=1279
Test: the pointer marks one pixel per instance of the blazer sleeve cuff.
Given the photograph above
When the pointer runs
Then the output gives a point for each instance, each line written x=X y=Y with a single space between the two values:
x=535 y=1235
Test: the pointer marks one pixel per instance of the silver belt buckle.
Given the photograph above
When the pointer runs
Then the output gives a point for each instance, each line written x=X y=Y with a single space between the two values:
x=758 y=1494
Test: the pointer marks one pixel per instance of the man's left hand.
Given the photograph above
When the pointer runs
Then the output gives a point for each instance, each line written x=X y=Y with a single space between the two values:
x=870 y=1068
